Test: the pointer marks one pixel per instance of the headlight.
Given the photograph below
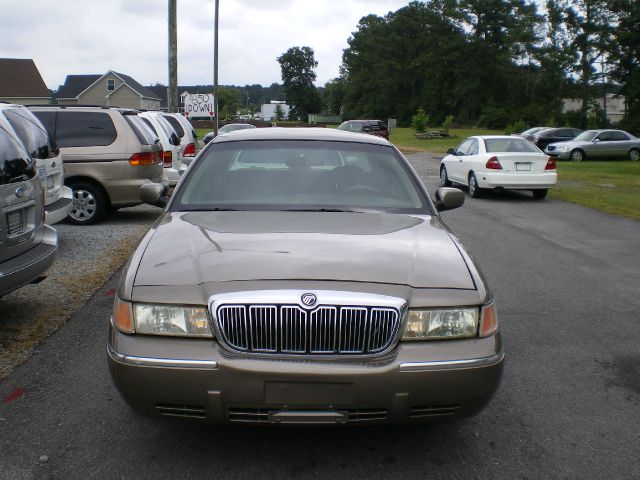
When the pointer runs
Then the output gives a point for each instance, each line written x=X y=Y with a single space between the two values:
x=438 y=324
x=158 y=319
x=171 y=320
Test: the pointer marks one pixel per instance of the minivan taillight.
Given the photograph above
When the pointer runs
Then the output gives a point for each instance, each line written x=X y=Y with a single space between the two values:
x=551 y=164
x=144 y=158
x=190 y=150
x=167 y=158
x=493 y=164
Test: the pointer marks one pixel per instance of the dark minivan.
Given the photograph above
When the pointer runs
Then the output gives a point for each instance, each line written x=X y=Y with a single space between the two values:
x=545 y=137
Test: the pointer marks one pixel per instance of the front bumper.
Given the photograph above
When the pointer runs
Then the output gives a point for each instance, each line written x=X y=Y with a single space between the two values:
x=417 y=381
x=517 y=181
x=558 y=154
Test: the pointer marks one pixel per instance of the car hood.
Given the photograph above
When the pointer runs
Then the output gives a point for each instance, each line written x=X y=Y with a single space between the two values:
x=191 y=248
x=569 y=144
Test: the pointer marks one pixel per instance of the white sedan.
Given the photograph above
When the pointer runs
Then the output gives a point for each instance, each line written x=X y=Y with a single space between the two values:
x=498 y=162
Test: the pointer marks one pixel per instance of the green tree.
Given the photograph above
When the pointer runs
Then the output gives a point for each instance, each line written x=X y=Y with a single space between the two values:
x=278 y=113
x=228 y=102
x=420 y=120
x=298 y=74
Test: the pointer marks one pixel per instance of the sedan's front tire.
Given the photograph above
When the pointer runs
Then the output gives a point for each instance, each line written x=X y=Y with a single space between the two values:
x=444 y=178
x=576 y=155
x=474 y=190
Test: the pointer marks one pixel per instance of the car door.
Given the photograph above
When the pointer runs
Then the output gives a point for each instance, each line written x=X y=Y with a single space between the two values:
x=603 y=145
x=455 y=168
x=622 y=143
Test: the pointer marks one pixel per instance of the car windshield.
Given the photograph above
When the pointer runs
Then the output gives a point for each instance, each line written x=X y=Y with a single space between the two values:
x=533 y=130
x=300 y=175
x=510 y=144
x=587 y=136
x=351 y=126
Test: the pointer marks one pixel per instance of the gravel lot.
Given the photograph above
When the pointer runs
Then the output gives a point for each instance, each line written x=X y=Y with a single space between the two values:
x=87 y=257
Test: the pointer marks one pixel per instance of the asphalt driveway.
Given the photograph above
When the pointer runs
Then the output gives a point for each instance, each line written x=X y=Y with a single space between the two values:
x=566 y=281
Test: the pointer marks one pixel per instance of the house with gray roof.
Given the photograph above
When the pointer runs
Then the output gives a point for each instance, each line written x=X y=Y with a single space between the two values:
x=21 y=82
x=111 y=89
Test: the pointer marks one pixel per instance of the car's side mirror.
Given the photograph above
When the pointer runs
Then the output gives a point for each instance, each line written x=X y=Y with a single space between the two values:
x=596 y=140
x=448 y=198
x=154 y=194
x=451 y=151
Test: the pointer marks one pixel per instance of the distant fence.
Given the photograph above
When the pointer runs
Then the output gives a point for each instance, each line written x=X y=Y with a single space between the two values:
x=316 y=118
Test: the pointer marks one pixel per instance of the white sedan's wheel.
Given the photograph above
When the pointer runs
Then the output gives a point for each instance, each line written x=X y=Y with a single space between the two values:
x=474 y=190
x=444 y=178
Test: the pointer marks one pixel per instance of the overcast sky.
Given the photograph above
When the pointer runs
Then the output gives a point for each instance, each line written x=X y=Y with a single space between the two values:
x=130 y=36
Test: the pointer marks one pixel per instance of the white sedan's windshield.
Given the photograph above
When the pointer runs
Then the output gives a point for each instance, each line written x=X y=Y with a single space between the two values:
x=290 y=175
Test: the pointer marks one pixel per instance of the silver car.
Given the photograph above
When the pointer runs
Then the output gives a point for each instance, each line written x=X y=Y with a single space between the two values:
x=28 y=247
x=597 y=144
x=315 y=283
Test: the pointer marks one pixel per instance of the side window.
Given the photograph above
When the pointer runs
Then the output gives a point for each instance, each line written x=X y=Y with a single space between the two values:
x=30 y=131
x=619 y=136
x=48 y=119
x=149 y=124
x=84 y=129
x=565 y=133
x=473 y=149
x=175 y=123
x=604 y=136
x=463 y=149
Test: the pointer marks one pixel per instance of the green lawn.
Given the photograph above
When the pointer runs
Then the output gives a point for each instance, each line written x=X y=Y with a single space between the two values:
x=608 y=186
x=405 y=139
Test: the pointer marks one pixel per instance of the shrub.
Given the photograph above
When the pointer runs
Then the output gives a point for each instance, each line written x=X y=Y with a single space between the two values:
x=446 y=125
x=420 y=120
x=516 y=127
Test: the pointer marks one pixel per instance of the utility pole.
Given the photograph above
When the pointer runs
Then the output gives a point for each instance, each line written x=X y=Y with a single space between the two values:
x=172 y=93
x=215 y=65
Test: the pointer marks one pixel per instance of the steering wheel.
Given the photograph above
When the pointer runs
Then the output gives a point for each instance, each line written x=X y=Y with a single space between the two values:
x=363 y=189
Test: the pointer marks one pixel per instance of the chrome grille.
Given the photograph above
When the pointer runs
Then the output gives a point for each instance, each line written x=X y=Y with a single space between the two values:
x=290 y=329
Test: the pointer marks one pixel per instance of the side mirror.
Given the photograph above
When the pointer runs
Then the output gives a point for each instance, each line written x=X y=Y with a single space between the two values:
x=596 y=140
x=451 y=151
x=447 y=198
x=154 y=194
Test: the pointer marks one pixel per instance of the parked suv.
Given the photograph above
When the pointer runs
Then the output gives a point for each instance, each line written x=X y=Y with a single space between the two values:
x=24 y=125
x=372 y=127
x=109 y=154
x=28 y=247
x=170 y=142
x=184 y=129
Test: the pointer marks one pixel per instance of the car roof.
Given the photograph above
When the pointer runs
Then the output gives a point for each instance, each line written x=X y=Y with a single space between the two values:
x=506 y=137
x=313 y=133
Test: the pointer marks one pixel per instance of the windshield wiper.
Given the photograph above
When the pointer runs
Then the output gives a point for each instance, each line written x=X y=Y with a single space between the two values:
x=320 y=210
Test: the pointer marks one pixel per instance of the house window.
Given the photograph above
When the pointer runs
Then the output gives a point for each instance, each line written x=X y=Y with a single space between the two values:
x=111 y=84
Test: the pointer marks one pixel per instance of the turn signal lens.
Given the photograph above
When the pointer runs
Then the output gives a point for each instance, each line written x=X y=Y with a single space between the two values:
x=167 y=158
x=488 y=320
x=551 y=164
x=122 y=316
x=494 y=164
x=143 y=158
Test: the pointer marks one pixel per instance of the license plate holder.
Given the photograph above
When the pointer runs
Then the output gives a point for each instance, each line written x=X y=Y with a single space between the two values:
x=523 y=166
x=15 y=222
